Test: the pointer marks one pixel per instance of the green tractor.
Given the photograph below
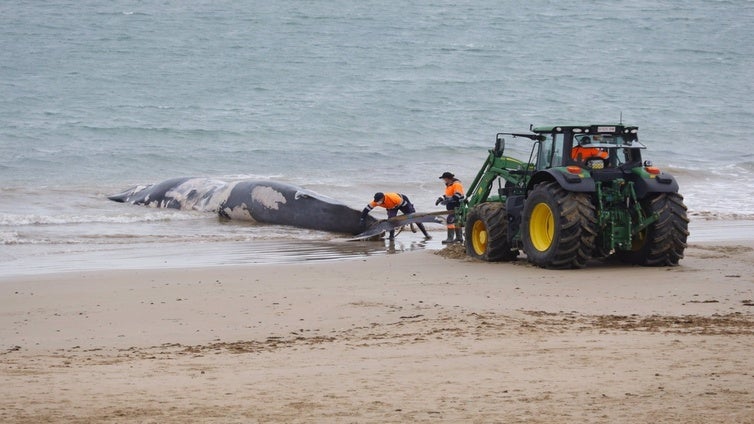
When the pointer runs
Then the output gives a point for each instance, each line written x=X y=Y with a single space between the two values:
x=584 y=193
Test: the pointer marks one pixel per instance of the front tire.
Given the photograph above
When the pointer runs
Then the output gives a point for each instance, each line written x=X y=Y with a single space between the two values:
x=664 y=241
x=487 y=233
x=559 y=227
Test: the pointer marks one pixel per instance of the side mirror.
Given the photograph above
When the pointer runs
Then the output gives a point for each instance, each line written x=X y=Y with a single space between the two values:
x=499 y=146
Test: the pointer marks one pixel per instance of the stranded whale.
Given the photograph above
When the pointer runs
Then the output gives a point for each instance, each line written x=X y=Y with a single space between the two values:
x=261 y=201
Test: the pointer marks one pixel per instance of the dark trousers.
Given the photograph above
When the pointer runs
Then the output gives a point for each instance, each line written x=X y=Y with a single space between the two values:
x=451 y=220
x=407 y=208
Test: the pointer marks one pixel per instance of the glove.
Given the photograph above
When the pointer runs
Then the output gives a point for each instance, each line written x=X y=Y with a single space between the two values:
x=439 y=200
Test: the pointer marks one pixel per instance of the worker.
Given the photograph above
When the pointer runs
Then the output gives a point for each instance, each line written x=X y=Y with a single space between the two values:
x=393 y=202
x=452 y=199
x=583 y=151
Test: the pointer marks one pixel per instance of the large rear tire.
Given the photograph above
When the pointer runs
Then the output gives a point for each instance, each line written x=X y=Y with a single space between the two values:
x=487 y=233
x=559 y=227
x=664 y=241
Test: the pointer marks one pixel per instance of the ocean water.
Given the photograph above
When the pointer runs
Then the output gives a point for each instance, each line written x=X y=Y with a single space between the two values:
x=344 y=98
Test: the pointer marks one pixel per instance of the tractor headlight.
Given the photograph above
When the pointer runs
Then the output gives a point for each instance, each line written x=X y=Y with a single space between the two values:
x=595 y=164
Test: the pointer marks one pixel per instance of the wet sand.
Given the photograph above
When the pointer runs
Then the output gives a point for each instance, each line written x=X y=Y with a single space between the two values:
x=32 y=259
x=422 y=336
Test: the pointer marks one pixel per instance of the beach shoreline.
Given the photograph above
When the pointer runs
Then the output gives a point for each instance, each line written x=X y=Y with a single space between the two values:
x=18 y=260
x=416 y=337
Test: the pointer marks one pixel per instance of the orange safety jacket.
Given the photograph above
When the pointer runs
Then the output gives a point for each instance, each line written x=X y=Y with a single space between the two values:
x=579 y=153
x=391 y=201
x=453 y=196
x=454 y=190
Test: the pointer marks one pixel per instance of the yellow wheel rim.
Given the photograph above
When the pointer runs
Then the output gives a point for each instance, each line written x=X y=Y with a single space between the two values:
x=479 y=237
x=541 y=227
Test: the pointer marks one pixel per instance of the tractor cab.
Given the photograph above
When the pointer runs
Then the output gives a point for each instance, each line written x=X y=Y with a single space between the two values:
x=593 y=147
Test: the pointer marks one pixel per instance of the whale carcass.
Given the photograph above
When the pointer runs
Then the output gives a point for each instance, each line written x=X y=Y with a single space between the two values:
x=268 y=202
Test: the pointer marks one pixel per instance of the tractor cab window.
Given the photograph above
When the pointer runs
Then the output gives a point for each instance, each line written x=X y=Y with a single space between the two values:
x=627 y=150
x=558 y=148
x=622 y=149
x=597 y=151
x=588 y=151
x=545 y=152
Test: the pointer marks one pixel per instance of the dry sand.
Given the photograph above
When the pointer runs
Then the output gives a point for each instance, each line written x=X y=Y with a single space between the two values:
x=414 y=337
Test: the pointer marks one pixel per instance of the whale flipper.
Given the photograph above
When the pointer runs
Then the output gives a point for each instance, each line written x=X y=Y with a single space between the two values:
x=390 y=224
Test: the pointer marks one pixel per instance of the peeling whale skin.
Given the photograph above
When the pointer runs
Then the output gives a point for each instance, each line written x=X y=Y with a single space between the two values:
x=268 y=202
x=284 y=204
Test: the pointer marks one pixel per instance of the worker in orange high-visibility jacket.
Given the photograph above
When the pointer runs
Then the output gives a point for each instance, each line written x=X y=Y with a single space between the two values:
x=393 y=202
x=584 y=150
x=452 y=199
x=580 y=154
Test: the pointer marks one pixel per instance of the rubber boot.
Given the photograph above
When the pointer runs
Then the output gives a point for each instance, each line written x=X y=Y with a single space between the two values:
x=451 y=233
x=459 y=235
x=424 y=231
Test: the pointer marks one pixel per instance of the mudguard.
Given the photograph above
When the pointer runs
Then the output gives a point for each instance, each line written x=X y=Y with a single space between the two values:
x=644 y=183
x=582 y=183
x=662 y=183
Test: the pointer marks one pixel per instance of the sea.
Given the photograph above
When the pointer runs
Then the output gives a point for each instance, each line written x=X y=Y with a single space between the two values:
x=344 y=98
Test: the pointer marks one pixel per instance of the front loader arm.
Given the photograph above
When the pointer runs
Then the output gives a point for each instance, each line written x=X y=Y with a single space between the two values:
x=477 y=191
x=494 y=167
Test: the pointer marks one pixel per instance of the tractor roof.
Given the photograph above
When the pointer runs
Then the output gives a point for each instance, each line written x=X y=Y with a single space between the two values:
x=588 y=128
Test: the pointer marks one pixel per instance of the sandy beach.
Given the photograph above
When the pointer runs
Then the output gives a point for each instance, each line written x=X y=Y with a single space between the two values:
x=426 y=336
x=182 y=183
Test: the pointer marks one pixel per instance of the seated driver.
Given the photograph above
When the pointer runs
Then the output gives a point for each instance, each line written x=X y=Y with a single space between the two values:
x=581 y=153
